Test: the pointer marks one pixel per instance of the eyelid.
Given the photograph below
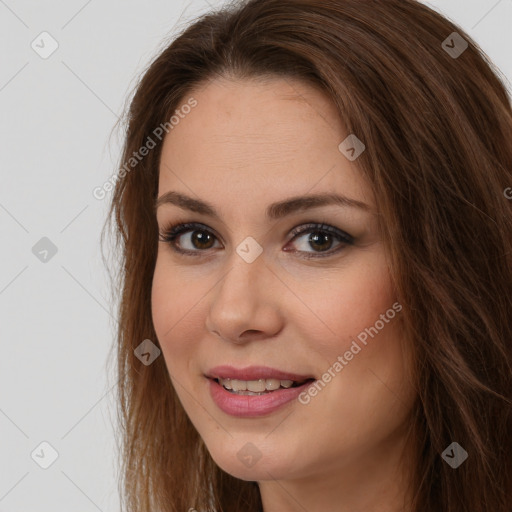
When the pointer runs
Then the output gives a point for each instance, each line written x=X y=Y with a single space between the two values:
x=320 y=226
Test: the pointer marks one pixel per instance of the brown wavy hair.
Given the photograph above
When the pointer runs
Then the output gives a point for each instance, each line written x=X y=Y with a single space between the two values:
x=438 y=135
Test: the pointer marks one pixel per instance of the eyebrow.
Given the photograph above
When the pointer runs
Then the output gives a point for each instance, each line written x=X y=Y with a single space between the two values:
x=274 y=211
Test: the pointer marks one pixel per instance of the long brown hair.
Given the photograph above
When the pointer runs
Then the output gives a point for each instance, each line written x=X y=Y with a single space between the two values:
x=436 y=120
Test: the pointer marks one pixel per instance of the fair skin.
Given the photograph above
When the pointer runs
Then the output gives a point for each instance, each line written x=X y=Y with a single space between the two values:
x=246 y=145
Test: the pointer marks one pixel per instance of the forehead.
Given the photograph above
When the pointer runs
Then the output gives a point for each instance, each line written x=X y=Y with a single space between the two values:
x=259 y=110
x=259 y=139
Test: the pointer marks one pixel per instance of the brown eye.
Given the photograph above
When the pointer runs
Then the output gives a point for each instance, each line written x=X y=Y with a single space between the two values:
x=201 y=239
x=321 y=239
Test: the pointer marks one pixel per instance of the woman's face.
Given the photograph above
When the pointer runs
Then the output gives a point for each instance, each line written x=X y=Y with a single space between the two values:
x=252 y=299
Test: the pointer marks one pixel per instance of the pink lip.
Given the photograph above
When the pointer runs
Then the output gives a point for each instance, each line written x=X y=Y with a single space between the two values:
x=247 y=406
x=253 y=373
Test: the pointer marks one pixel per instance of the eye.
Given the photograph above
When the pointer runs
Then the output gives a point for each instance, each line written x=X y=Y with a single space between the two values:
x=199 y=239
x=321 y=237
x=202 y=238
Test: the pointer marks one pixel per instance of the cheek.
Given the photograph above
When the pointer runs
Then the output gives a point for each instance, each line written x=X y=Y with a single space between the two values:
x=175 y=308
x=343 y=304
x=356 y=315
x=372 y=385
x=368 y=393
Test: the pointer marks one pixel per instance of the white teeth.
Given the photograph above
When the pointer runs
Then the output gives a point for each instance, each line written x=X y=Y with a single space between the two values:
x=255 y=386
x=272 y=384
x=238 y=385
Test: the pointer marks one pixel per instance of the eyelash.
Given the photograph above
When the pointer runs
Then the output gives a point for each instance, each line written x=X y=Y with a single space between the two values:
x=173 y=231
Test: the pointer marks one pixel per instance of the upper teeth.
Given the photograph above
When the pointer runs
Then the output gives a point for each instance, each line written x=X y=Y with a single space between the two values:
x=255 y=385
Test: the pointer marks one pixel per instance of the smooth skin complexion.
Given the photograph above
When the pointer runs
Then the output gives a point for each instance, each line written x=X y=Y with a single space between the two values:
x=249 y=144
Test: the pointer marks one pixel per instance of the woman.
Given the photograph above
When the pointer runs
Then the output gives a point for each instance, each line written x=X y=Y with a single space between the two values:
x=316 y=260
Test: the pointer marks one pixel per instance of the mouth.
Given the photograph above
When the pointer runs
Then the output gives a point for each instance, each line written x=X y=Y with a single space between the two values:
x=254 y=391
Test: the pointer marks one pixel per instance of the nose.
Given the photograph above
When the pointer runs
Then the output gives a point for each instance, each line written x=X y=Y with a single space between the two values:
x=245 y=303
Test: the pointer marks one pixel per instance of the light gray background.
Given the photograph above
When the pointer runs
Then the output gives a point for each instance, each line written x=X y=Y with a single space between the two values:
x=56 y=328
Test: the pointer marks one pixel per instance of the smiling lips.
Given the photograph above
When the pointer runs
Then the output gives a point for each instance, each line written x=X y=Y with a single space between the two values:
x=254 y=391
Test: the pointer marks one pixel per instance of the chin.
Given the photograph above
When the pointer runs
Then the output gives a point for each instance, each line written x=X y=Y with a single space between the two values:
x=241 y=459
